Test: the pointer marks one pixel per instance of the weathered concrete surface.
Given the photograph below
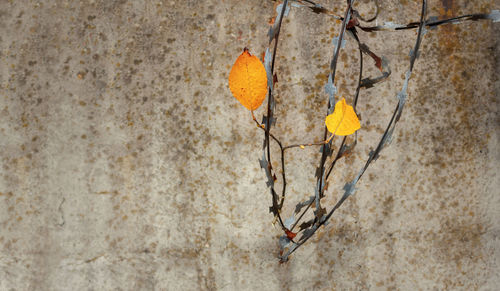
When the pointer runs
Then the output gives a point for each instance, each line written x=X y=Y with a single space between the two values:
x=127 y=165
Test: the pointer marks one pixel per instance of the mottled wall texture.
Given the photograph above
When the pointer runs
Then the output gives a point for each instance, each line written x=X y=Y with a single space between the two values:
x=126 y=164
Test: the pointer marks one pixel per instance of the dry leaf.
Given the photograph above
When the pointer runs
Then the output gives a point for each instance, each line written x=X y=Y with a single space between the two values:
x=343 y=120
x=248 y=80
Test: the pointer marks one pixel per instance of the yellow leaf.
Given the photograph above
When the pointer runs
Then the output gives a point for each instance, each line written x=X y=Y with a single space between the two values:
x=248 y=80
x=343 y=120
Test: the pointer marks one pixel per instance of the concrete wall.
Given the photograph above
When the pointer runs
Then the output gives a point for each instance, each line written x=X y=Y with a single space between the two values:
x=126 y=164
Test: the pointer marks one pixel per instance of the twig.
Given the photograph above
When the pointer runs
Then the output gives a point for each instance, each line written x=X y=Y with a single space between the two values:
x=308 y=233
x=267 y=148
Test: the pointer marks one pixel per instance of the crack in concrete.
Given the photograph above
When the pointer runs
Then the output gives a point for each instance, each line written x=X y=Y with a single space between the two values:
x=62 y=213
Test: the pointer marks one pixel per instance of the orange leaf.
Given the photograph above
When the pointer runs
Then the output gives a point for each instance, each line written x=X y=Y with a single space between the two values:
x=343 y=121
x=248 y=80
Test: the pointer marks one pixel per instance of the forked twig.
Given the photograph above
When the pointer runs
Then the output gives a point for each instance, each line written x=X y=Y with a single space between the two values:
x=350 y=24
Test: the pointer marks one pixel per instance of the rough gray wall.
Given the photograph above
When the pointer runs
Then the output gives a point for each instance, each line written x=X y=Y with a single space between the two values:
x=126 y=164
